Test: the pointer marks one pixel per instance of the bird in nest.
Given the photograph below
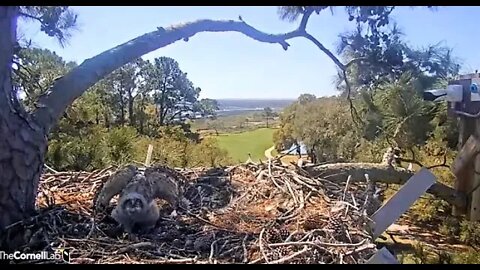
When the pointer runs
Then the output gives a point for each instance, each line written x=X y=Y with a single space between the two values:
x=136 y=207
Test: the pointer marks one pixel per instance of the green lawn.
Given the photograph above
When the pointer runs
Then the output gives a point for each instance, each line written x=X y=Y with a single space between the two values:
x=254 y=142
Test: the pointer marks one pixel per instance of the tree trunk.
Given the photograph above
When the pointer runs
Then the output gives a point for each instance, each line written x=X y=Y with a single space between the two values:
x=22 y=142
x=161 y=119
x=142 y=116
x=122 y=110
x=106 y=118
x=122 y=116
x=97 y=117
x=141 y=128
x=131 y=115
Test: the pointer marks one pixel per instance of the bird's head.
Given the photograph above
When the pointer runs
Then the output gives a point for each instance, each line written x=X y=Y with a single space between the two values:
x=133 y=204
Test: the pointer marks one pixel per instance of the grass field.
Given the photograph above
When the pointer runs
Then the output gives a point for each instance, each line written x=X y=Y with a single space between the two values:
x=254 y=142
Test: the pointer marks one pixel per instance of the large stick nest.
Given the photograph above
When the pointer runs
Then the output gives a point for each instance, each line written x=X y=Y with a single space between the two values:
x=242 y=214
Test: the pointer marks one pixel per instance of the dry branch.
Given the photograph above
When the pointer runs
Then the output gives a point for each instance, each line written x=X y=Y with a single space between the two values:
x=338 y=172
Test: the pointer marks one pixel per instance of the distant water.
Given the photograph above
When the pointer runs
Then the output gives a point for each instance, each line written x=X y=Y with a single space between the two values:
x=228 y=106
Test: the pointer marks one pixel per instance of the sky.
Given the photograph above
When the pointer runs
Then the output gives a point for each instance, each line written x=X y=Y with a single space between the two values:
x=231 y=65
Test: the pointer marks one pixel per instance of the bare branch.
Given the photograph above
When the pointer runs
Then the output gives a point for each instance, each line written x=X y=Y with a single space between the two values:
x=31 y=17
x=443 y=164
x=356 y=118
x=339 y=172
x=353 y=111
x=415 y=161
x=411 y=161
x=325 y=50
x=303 y=23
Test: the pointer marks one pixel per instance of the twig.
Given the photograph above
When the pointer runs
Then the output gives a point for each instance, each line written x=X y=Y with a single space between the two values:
x=346 y=187
x=245 y=252
x=50 y=168
x=290 y=257
x=318 y=243
x=260 y=243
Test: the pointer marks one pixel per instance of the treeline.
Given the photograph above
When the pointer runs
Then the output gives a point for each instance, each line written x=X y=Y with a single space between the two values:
x=384 y=108
x=381 y=106
x=141 y=103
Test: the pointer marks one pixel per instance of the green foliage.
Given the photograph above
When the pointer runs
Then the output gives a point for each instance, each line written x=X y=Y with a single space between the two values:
x=207 y=107
x=428 y=210
x=208 y=153
x=78 y=153
x=120 y=143
x=292 y=13
x=173 y=93
x=450 y=227
x=470 y=232
x=323 y=125
x=405 y=116
x=35 y=71
x=100 y=147
x=469 y=257
x=174 y=148
x=423 y=255
x=420 y=253
x=94 y=130
x=55 y=21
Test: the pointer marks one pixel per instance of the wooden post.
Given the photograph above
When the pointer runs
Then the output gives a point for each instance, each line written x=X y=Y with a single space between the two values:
x=467 y=126
x=467 y=181
x=148 y=159
x=466 y=155
x=475 y=191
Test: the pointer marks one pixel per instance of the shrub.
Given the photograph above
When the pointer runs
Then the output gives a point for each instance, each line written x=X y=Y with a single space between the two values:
x=208 y=153
x=120 y=142
x=470 y=232
x=77 y=153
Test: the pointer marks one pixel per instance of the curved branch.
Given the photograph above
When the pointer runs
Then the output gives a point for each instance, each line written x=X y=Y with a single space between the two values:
x=31 y=17
x=353 y=111
x=303 y=23
x=73 y=84
x=65 y=90
x=325 y=50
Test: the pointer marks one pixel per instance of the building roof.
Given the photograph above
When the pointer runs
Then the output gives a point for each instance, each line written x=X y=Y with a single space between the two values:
x=292 y=150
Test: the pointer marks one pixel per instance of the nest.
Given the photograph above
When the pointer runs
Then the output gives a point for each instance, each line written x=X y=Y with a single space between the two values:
x=250 y=213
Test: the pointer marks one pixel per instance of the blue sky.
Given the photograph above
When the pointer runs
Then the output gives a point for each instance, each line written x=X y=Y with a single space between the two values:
x=231 y=65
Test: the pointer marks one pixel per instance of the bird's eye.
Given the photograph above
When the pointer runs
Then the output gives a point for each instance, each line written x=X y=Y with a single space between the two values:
x=126 y=205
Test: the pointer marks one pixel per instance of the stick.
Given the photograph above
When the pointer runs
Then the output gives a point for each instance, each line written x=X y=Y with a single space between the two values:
x=288 y=258
x=50 y=168
x=148 y=159
x=346 y=187
x=260 y=243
